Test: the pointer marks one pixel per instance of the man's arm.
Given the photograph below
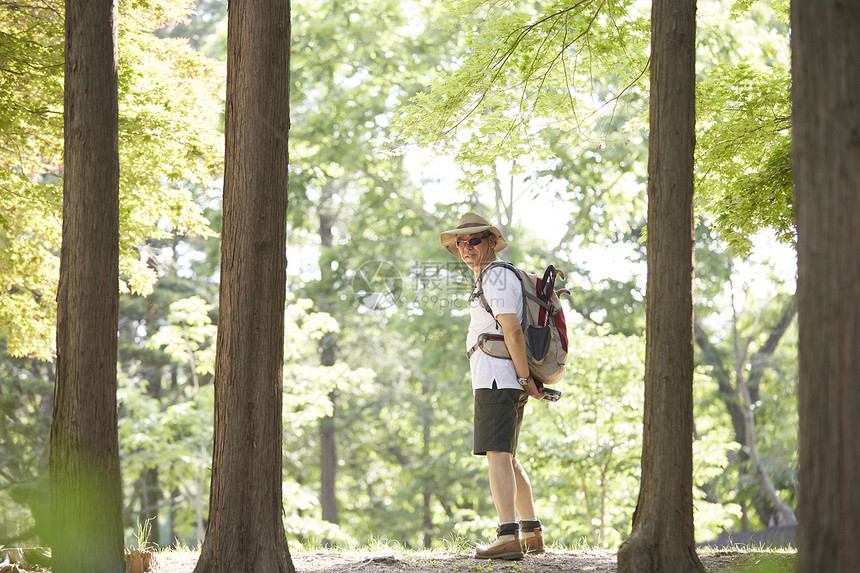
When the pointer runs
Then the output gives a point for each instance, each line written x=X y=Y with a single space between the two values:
x=516 y=343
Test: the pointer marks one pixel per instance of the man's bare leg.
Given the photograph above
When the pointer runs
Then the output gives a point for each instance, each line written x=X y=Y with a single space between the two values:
x=524 y=500
x=503 y=485
x=531 y=534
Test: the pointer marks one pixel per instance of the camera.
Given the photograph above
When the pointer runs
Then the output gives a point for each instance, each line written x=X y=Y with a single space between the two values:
x=551 y=395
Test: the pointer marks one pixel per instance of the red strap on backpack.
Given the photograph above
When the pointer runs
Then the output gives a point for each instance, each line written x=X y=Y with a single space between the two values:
x=543 y=317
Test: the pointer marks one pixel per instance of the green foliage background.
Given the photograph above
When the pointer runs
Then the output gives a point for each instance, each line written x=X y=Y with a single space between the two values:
x=539 y=110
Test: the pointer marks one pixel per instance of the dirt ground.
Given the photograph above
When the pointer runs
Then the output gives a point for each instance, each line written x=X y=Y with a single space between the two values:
x=551 y=561
x=715 y=561
x=345 y=562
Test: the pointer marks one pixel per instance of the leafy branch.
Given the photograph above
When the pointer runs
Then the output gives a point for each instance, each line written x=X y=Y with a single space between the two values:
x=498 y=62
x=524 y=74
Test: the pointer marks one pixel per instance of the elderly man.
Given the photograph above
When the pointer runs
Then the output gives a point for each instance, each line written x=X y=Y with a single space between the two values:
x=501 y=388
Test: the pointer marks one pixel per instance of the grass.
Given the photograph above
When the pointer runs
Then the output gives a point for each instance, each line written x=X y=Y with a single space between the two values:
x=180 y=547
x=746 y=559
x=455 y=544
x=144 y=530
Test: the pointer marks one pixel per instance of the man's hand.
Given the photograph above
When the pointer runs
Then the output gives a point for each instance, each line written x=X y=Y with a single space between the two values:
x=516 y=343
x=533 y=390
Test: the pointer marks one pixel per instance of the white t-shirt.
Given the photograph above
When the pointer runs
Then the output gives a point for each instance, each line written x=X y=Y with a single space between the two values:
x=503 y=292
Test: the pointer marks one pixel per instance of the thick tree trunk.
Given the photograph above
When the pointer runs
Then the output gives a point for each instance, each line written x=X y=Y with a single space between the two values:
x=662 y=538
x=84 y=462
x=245 y=531
x=825 y=44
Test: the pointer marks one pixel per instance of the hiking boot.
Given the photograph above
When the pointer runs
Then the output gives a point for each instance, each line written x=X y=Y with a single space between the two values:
x=531 y=536
x=506 y=545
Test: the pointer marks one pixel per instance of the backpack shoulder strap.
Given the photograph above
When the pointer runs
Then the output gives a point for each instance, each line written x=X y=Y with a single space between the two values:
x=478 y=290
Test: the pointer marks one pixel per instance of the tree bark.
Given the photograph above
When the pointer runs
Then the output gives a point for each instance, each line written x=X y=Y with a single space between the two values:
x=86 y=535
x=826 y=170
x=245 y=531
x=662 y=538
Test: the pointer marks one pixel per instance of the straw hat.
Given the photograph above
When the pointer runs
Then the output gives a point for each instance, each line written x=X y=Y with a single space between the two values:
x=470 y=223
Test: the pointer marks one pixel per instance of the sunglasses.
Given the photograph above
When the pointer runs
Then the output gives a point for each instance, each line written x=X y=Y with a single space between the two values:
x=473 y=242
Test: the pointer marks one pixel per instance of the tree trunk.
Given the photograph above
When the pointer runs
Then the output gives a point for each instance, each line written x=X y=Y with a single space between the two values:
x=328 y=464
x=427 y=484
x=662 y=538
x=152 y=493
x=84 y=461
x=174 y=537
x=327 y=350
x=245 y=531
x=781 y=511
x=826 y=170
x=150 y=504
x=747 y=393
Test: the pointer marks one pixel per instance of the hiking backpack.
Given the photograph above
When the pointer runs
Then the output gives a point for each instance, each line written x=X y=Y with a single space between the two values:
x=543 y=323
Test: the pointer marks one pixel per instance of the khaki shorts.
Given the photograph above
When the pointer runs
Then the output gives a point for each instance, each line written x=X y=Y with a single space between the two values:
x=498 y=417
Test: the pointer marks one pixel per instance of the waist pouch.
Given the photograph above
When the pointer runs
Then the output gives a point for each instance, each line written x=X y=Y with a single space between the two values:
x=491 y=345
